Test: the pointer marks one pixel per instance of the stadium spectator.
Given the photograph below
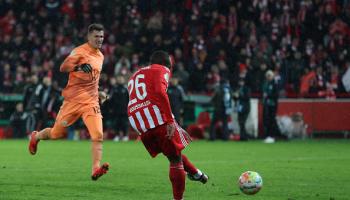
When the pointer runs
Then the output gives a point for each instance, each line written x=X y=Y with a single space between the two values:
x=270 y=105
x=305 y=82
x=213 y=78
x=7 y=75
x=318 y=83
x=288 y=37
x=32 y=103
x=150 y=115
x=81 y=98
x=17 y=122
x=177 y=97
x=50 y=103
x=182 y=74
x=118 y=104
x=122 y=64
x=264 y=31
x=19 y=83
x=222 y=103
x=197 y=80
x=242 y=97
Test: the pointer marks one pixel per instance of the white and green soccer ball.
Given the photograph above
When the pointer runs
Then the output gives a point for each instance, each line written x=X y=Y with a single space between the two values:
x=250 y=182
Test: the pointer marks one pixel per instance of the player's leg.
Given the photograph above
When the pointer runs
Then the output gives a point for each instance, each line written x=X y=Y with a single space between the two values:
x=124 y=128
x=155 y=141
x=172 y=148
x=66 y=116
x=95 y=128
x=193 y=173
x=212 y=133
x=55 y=132
x=177 y=176
x=225 y=133
x=179 y=141
x=117 y=137
x=118 y=129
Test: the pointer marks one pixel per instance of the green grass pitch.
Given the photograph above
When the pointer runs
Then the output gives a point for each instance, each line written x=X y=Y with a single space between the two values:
x=294 y=170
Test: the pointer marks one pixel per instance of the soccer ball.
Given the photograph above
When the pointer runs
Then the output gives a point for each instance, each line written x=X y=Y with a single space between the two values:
x=250 y=182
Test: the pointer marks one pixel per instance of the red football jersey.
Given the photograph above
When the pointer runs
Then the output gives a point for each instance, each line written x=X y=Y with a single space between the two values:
x=149 y=104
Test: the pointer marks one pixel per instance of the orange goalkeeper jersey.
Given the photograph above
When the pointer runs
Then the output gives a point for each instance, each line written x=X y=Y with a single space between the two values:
x=82 y=87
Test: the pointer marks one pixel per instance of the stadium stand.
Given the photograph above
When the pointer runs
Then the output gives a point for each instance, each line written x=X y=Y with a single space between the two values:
x=306 y=42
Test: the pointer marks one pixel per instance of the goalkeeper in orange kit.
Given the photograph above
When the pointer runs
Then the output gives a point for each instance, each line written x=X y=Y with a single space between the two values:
x=81 y=98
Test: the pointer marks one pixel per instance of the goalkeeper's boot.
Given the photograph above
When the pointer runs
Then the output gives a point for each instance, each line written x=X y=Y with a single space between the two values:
x=33 y=143
x=195 y=177
x=100 y=171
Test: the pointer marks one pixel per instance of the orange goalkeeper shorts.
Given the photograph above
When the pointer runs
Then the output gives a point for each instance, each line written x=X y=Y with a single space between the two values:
x=70 y=112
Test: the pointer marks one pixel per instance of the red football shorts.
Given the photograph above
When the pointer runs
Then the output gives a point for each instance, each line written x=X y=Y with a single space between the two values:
x=156 y=141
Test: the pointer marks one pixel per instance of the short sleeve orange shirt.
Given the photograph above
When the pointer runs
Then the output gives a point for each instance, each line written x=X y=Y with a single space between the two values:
x=83 y=87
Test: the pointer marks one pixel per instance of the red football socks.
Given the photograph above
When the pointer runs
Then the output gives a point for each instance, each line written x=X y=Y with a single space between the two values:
x=188 y=166
x=177 y=177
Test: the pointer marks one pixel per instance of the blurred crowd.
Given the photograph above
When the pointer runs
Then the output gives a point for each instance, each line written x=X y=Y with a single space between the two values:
x=305 y=43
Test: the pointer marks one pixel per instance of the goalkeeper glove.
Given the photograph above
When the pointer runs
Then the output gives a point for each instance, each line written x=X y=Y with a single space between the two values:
x=86 y=68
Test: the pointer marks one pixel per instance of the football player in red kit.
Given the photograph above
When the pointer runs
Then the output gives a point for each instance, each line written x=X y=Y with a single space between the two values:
x=150 y=115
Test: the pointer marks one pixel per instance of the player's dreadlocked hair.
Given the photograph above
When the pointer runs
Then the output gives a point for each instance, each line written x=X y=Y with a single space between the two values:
x=161 y=58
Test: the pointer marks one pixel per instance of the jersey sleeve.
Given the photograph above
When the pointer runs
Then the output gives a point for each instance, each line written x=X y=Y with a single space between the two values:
x=71 y=61
x=160 y=89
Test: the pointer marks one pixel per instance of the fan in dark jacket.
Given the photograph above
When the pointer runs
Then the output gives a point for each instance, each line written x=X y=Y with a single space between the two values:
x=118 y=105
x=242 y=97
x=176 y=96
x=222 y=102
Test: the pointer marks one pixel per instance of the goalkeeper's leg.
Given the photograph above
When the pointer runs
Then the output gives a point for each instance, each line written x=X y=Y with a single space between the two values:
x=94 y=125
x=66 y=116
x=48 y=133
